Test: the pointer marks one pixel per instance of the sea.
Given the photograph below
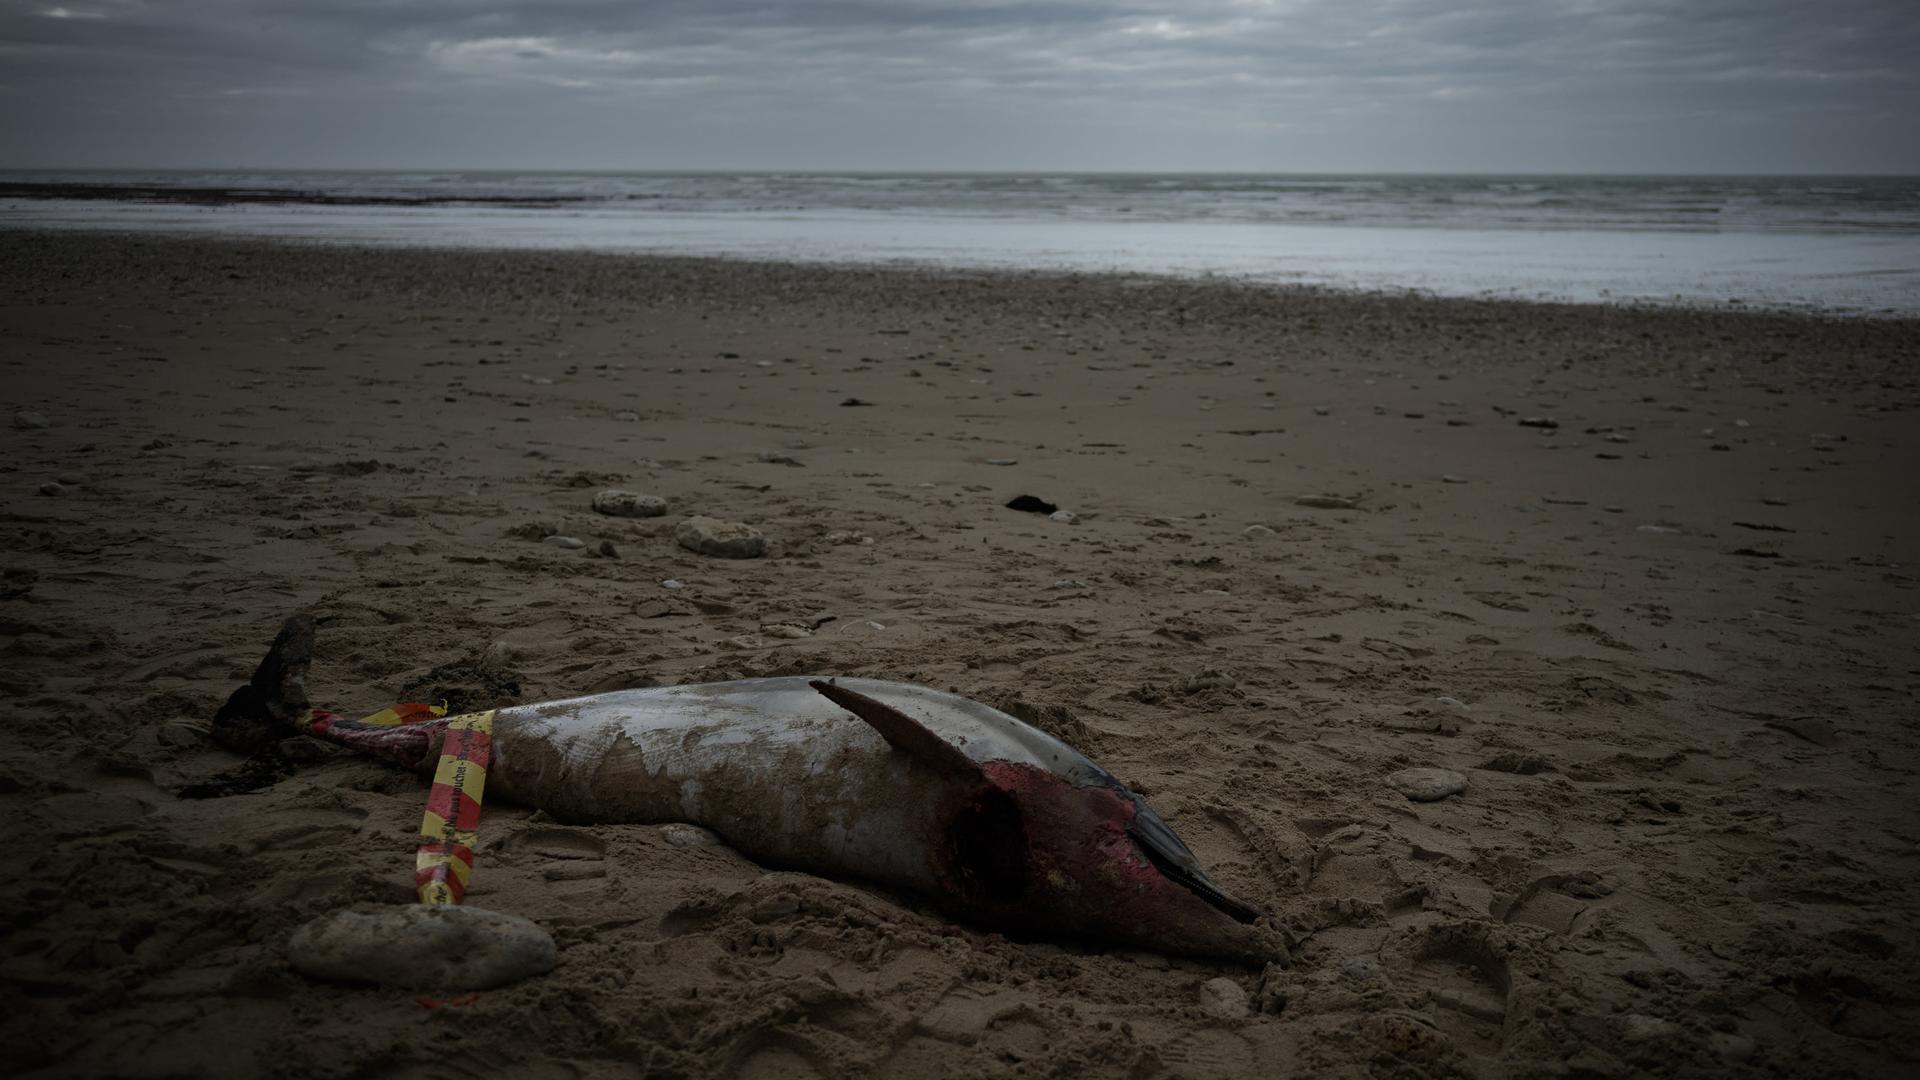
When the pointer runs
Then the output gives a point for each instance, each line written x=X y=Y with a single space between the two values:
x=1829 y=244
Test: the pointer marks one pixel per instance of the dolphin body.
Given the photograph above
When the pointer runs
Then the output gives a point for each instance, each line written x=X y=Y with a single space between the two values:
x=998 y=821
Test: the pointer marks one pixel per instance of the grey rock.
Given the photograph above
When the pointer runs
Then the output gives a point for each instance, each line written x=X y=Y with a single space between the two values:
x=1326 y=502
x=776 y=457
x=1731 y=1046
x=1002 y=461
x=30 y=421
x=1210 y=679
x=721 y=539
x=1546 y=422
x=183 y=733
x=627 y=416
x=1359 y=968
x=1427 y=785
x=422 y=947
x=53 y=487
x=1065 y=517
x=1257 y=532
x=1224 y=998
x=616 y=503
x=569 y=542
x=681 y=834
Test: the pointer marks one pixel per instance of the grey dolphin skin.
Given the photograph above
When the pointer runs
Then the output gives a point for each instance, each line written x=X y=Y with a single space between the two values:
x=998 y=822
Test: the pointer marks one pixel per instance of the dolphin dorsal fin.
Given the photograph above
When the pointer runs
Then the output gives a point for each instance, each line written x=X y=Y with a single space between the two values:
x=902 y=732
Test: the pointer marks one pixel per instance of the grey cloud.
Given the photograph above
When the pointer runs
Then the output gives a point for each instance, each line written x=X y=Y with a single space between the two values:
x=1628 y=85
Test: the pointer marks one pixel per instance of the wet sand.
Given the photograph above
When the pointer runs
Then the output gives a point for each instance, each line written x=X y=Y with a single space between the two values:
x=1645 y=578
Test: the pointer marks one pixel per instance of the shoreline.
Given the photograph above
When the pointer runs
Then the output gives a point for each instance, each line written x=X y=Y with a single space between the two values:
x=1246 y=289
x=1644 y=578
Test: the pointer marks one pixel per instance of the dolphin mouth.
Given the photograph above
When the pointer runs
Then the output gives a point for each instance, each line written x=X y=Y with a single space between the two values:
x=1169 y=856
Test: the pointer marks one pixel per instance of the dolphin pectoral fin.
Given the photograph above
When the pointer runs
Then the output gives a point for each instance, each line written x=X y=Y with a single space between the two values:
x=902 y=732
x=1176 y=863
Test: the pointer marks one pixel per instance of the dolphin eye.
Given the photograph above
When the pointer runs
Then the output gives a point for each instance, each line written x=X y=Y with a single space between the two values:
x=987 y=845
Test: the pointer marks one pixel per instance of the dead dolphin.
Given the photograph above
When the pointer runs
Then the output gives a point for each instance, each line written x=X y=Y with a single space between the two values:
x=999 y=822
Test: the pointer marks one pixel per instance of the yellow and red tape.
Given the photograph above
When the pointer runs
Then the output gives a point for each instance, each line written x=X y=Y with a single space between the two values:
x=443 y=863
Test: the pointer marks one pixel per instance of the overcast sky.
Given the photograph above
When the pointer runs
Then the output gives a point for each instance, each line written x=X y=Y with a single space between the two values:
x=1258 y=85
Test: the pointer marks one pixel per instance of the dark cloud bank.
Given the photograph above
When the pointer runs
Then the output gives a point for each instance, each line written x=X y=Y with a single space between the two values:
x=1286 y=85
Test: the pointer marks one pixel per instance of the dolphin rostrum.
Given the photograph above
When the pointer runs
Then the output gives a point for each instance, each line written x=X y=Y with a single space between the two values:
x=997 y=821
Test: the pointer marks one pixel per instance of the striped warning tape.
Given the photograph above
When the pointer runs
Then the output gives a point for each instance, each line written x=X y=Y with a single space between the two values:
x=444 y=861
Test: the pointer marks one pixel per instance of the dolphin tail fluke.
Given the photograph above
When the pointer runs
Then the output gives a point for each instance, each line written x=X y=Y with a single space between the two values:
x=266 y=709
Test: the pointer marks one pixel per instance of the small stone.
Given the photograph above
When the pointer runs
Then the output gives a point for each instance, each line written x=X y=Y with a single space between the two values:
x=1002 y=461
x=53 y=487
x=1731 y=1046
x=1359 y=968
x=183 y=733
x=1069 y=583
x=1639 y=1027
x=500 y=653
x=1322 y=410
x=721 y=539
x=568 y=542
x=1427 y=785
x=681 y=834
x=1257 y=532
x=775 y=457
x=627 y=416
x=1326 y=502
x=1546 y=422
x=1661 y=530
x=1065 y=517
x=1224 y=998
x=1449 y=478
x=616 y=503
x=422 y=947
x=607 y=550
x=672 y=584
x=1210 y=679
x=30 y=421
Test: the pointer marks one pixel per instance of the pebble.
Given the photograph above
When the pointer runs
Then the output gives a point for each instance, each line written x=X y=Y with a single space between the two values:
x=1360 y=968
x=617 y=503
x=721 y=539
x=672 y=584
x=1546 y=422
x=627 y=417
x=53 y=487
x=1731 y=1046
x=1639 y=1027
x=1003 y=461
x=1664 y=530
x=1065 y=517
x=568 y=542
x=183 y=733
x=1427 y=785
x=775 y=457
x=29 y=421
x=1449 y=478
x=1210 y=679
x=423 y=947
x=1326 y=502
x=1257 y=531
x=1069 y=583
x=1321 y=410
x=1224 y=998
x=681 y=834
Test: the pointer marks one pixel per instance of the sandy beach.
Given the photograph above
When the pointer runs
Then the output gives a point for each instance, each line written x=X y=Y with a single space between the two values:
x=1646 y=578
